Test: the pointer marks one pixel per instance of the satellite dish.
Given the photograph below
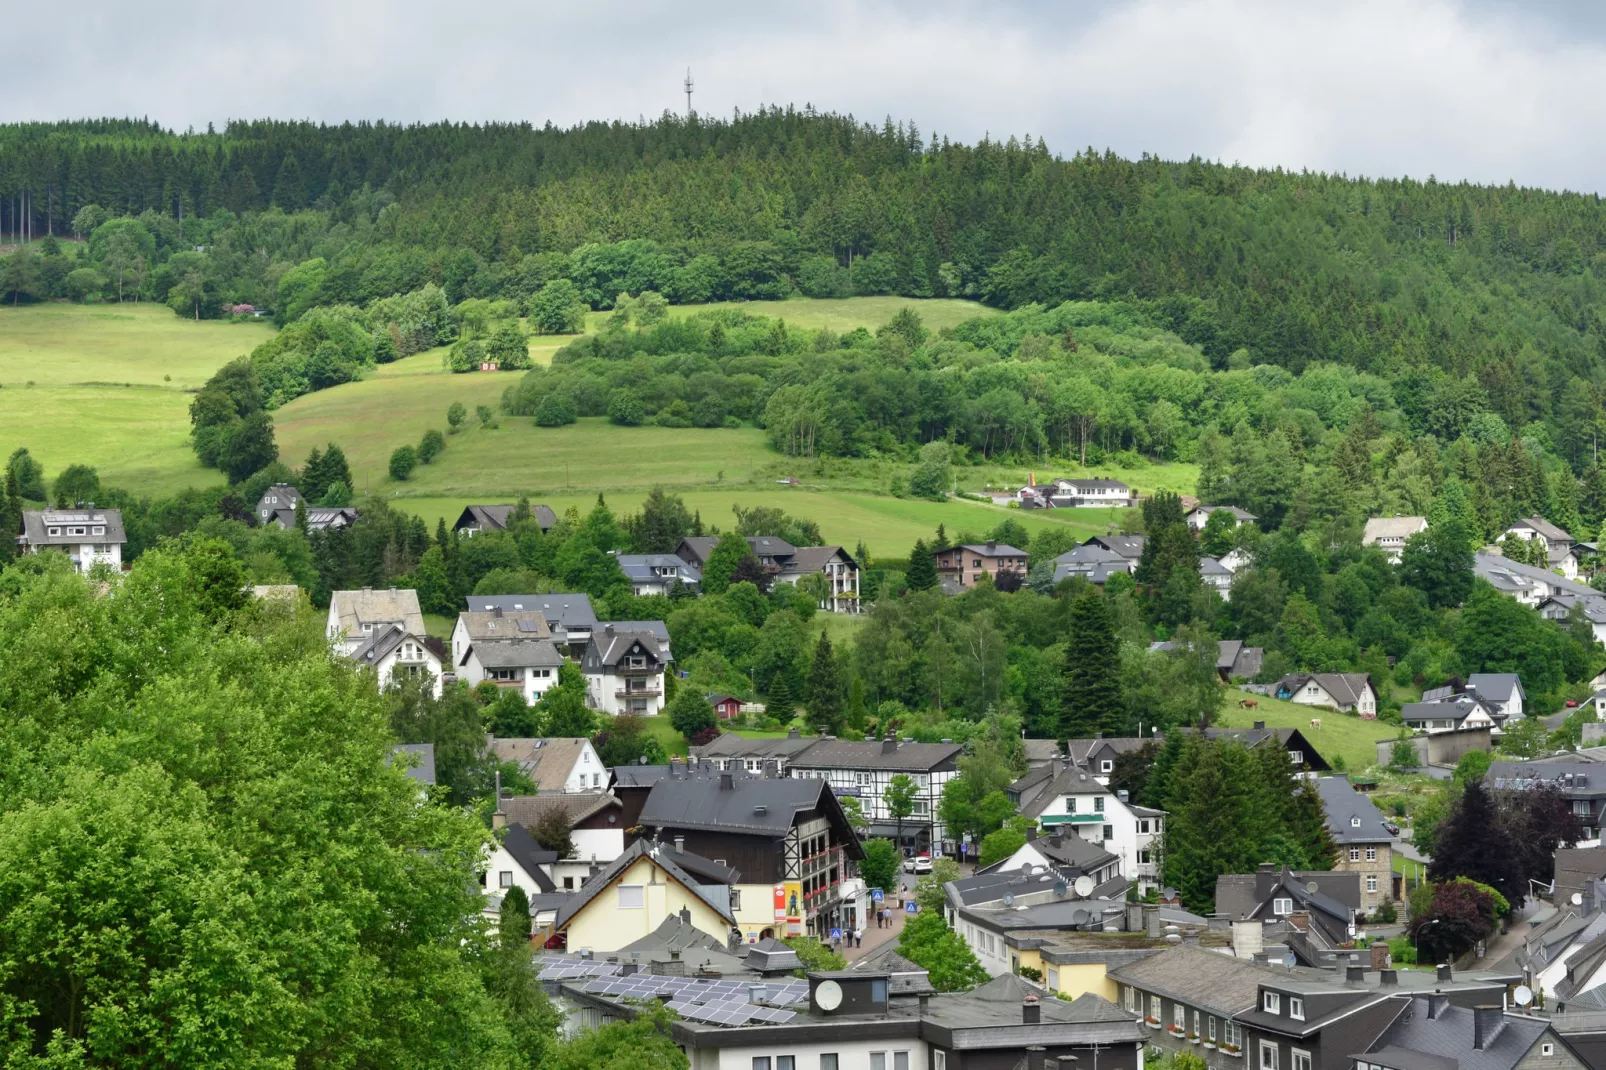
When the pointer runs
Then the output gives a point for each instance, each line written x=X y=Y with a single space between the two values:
x=1523 y=995
x=1078 y=917
x=1060 y=888
x=828 y=995
x=1084 y=886
x=1312 y=887
x=1578 y=899
x=1009 y=900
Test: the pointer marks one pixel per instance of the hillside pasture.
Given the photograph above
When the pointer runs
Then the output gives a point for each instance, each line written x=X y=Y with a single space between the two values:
x=1340 y=734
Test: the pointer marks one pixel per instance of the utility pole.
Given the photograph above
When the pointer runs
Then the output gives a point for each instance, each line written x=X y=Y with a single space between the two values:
x=689 y=85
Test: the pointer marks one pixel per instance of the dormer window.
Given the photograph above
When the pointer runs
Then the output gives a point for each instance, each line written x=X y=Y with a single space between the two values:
x=1355 y=822
x=1282 y=906
x=1271 y=1002
x=1296 y=1008
x=100 y=531
x=55 y=533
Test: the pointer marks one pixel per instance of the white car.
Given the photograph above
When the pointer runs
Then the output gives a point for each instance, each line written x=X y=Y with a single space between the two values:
x=917 y=864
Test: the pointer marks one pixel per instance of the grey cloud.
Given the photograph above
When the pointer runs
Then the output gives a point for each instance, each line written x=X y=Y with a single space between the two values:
x=1488 y=90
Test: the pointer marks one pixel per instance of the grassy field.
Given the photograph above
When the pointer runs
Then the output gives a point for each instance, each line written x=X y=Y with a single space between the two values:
x=845 y=313
x=106 y=385
x=1340 y=734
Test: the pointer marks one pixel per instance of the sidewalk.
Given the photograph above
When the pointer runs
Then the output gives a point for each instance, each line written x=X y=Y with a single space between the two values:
x=874 y=937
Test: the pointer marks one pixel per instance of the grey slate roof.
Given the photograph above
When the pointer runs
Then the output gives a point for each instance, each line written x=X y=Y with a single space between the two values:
x=385 y=638
x=1450 y=1035
x=530 y=856
x=423 y=770
x=995 y=549
x=495 y=517
x=352 y=609
x=1456 y=709
x=1345 y=687
x=516 y=654
x=731 y=745
x=563 y=612
x=1343 y=805
x=1551 y=532
x=1577 y=867
x=810 y=559
x=36 y=525
x=1511 y=577
x=1594 y=609
x=641 y=568
x=546 y=760
x=1243 y=516
x=1205 y=979
x=752 y=805
x=1332 y=903
x=1575 y=779
x=904 y=757
x=1496 y=686
x=907 y=978
x=527 y=809
x=998 y=1003
x=612 y=642
x=1128 y=546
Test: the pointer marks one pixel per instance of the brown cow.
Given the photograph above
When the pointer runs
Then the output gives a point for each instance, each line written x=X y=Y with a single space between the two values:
x=1248 y=704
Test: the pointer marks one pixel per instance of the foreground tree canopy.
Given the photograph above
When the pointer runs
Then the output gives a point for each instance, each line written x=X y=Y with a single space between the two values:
x=206 y=857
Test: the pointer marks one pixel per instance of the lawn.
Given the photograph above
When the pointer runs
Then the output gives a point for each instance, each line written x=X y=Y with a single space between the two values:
x=106 y=385
x=845 y=313
x=1341 y=734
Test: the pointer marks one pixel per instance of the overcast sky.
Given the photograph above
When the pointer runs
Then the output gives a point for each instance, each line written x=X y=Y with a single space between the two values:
x=1489 y=90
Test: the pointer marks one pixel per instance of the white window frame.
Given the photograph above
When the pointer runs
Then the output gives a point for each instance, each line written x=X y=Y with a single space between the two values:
x=1371 y=884
x=1210 y=1021
x=1179 y=1016
x=1106 y=766
x=878 y=1060
x=1268 y=1055
x=1098 y=805
x=1271 y=1002
x=786 y=1062
x=761 y=1062
x=639 y=888
x=1298 y=1059
x=939 y=1061
x=1282 y=906
x=1371 y=854
x=1296 y=1008
x=1154 y=1007
x=1131 y=1000
x=1547 y=1049
x=1232 y=1033
x=1354 y=854
x=900 y=1060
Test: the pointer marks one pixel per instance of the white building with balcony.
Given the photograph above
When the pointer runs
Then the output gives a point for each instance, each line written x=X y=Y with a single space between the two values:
x=88 y=536
x=1065 y=798
x=511 y=648
x=624 y=665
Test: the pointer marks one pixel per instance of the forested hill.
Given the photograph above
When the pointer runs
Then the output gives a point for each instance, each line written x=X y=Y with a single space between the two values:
x=1495 y=284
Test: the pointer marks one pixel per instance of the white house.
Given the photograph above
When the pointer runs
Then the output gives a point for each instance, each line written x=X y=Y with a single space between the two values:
x=653 y=574
x=88 y=536
x=1343 y=691
x=394 y=653
x=1463 y=711
x=354 y=616
x=1388 y=533
x=517 y=861
x=511 y=648
x=1216 y=576
x=1235 y=560
x=596 y=830
x=840 y=570
x=1557 y=543
x=1558 y=607
x=864 y=769
x=554 y=764
x=1500 y=690
x=1199 y=515
x=624 y=668
x=1070 y=799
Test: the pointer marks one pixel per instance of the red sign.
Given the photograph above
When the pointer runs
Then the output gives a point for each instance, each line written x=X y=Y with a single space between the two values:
x=780 y=902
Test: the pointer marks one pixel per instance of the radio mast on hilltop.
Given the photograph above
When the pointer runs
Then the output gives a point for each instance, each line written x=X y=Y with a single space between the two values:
x=689 y=85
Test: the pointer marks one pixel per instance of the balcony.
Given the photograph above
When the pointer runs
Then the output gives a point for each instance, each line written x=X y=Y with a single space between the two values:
x=638 y=692
x=645 y=670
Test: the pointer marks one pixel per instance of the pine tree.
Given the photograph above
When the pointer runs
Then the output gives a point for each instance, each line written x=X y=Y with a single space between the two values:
x=1092 y=671
x=10 y=520
x=335 y=469
x=301 y=515
x=922 y=572
x=782 y=699
x=823 y=700
x=313 y=481
x=942 y=539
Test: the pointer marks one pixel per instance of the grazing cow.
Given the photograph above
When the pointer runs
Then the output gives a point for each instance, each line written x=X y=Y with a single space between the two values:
x=1315 y=722
x=1248 y=704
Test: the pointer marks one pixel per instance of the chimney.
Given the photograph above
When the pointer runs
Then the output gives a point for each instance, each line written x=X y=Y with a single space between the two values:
x=629 y=969
x=1445 y=973
x=925 y=1004
x=889 y=745
x=1260 y=726
x=1437 y=1003
x=726 y=782
x=1098 y=735
x=499 y=815
x=1380 y=955
x=680 y=845
x=1355 y=974
x=1121 y=794
x=496 y=611
x=674 y=954
x=1034 y=1052
x=1487 y=1022
x=1031 y=833
x=1031 y=1011
x=1267 y=867
x=1151 y=919
x=1388 y=977
x=757 y=993
x=1058 y=839
x=793 y=733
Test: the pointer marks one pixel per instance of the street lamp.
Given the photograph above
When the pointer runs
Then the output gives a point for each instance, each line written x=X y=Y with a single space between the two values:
x=1418 y=938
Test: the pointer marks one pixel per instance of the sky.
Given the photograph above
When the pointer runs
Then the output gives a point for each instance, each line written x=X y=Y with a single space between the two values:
x=1483 y=90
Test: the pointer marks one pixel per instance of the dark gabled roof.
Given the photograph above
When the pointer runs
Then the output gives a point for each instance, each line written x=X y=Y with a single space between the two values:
x=807 y=559
x=1577 y=867
x=385 y=639
x=1205 y=979
x=645 y=776
x=1128 y=546
x=515 y=654
x=1080 y=750
x=1243 y=516
x=660 y=858
x=1544 y=527
x=755 y=806
x=530 y=856
x=907 y=978
x=1449 y=1035
x=423 y=770
x=1573 y=778
x=994 y=1006
x=1496 y=686
x=639 y=568
x=611 y=643
x=872 y=754
x=527 y=809
x=36 y=525
x=496 y=517
x=1344 y=687
x=989 y=549
x=1344 y=805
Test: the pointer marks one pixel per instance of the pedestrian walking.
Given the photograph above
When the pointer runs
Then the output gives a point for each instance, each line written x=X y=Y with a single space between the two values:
x=858 y=937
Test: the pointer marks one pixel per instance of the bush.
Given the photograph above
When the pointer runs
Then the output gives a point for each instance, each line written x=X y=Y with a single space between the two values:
x=455 y=415
x=690 y=713
x=555 y=410
x=402 y=462
x=626 y=409
x=430 y=446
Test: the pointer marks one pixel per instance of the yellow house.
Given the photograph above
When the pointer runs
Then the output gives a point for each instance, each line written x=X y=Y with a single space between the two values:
x=633 y=895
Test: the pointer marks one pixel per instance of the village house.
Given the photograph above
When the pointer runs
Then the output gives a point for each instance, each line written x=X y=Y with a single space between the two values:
x=1581 y=783
x=1464 y=711
x=725 y=706
x=632 y=895
x=1557 y=544
x=512 y=649
x=788 y=838
x=477 y=518
x=1233 y=658
x=655 y=574
x=596 y=829
x=864 y=770
x=569 y=617
x=1432 y=1032
x=1388 y=533
x=624 y=666
x=965 y=565
x=517 y=861
x=88 y=536
x=280 y=497
x=1197 y=517
x=1067 y=797
x=355 y=616
x=1318 y=907
x=554 y=763
x=1346 y=692
x=1302 y=753
x=1365 y=844
x=1093 y=563
x=1559 y=608
x=395 y=653
x=786 y=563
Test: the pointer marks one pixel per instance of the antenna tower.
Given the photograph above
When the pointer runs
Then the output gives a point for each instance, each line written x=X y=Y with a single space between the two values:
x=689 y=86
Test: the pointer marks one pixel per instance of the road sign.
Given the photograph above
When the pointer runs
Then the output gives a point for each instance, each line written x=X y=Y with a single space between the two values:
x=877 y=895
x=836 y=934
x=911 y=907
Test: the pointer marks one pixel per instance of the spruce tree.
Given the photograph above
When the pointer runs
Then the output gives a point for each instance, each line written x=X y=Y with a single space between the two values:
x=313 y=482
x=921 y=574
x=781 y=698
x=1092 y=671
x=301 y=515
x=10 y=519
x=823 y=699
x=513 y=921
x=335 y=469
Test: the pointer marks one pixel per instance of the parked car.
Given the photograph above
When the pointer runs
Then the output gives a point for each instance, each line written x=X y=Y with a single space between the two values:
x=1571 y=704
x=920 y=863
